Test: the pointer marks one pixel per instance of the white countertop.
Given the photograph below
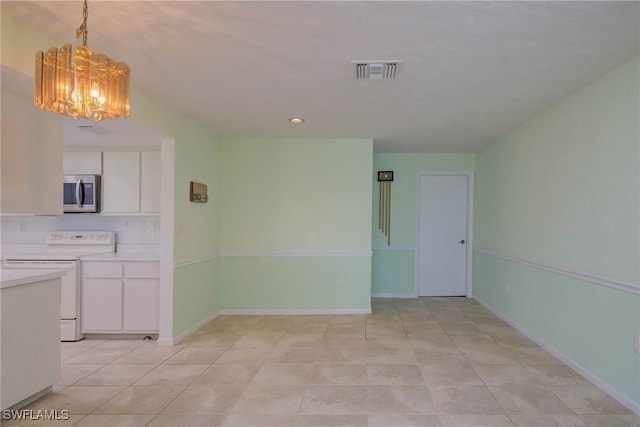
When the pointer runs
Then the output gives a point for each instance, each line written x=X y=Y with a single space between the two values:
x=30 y=252
x=10 y=277
x=117 y=256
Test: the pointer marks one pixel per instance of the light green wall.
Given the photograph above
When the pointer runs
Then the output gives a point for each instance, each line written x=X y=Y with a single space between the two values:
x=196 y=223
x=295 y=283
x=196 y=295
x=296 y=195
x=284 y=198
x=563 y=190
x=590 y=324
x=196 y=234
x=393 y=266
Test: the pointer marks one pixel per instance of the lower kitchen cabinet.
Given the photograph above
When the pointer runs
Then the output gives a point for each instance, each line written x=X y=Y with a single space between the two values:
x=101 y=304
x=140 y=305
x=120 y=297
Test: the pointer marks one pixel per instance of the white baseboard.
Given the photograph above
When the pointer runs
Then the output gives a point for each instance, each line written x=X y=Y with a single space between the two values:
x=276 y=312
x=615 y=394
x=178 y=338
x=402 y=296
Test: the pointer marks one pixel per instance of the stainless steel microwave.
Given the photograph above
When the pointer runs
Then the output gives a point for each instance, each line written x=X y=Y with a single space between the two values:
x=81 y=193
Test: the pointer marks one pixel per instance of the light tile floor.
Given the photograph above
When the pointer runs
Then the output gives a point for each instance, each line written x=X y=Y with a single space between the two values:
x=419 y=362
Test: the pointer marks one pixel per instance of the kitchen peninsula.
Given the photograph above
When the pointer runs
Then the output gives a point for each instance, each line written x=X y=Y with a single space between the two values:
x=29 y=334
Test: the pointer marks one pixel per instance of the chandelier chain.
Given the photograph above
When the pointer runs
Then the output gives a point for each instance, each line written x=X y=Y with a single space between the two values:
x=82 y=29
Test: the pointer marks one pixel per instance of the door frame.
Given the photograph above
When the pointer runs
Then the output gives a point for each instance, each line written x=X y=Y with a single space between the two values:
x=469 y=245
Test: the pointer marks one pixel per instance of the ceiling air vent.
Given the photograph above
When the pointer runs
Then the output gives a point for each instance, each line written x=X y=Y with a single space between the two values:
x=376 y=70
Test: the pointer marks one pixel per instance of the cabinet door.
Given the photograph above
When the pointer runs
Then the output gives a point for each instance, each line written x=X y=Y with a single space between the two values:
x=121 y=182
x=150 y=181
x=140 y=305
x=31 y=153
x=101 y=305
x=82 y=163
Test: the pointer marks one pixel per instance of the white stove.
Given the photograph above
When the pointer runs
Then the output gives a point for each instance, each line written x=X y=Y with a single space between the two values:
x=62 y=251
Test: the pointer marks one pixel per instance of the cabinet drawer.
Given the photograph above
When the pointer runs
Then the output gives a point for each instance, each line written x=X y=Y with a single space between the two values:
x=141 y=270
x=107 y=270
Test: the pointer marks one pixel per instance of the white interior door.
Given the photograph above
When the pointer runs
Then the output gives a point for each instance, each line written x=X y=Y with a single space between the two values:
x=442 y=235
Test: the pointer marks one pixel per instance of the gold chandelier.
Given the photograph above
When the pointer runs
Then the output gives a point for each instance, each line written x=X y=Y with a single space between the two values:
x=82 y=85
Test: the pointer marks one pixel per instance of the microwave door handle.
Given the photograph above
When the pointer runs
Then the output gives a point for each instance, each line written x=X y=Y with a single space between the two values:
x=78 y=193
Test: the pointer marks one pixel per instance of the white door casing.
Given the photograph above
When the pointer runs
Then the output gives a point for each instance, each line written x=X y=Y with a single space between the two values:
x=443 y=241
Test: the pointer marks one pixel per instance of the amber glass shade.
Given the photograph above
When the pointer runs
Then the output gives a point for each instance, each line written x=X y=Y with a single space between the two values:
x=83 y=84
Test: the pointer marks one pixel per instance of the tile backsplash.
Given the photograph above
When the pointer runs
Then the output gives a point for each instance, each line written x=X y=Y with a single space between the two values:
x=130 y=230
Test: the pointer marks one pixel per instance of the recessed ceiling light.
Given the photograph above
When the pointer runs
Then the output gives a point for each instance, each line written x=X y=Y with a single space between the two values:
x=296 y=120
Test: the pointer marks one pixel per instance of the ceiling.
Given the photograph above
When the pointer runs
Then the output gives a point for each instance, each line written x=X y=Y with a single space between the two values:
x=470 y=71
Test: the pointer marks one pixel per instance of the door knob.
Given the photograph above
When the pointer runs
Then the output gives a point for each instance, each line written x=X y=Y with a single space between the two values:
x=461 y=242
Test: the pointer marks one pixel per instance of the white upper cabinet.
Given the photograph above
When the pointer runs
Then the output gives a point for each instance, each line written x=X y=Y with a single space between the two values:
x=131 y=183
x=130 y=179
x=31 y=143
x=120 y=182
x=82 y=163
